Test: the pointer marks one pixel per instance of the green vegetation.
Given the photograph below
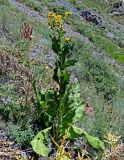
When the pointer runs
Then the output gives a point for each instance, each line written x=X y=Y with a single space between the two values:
x=57 y=95
x=60 y=109
x=36 y=5
x=98 y=37
x=101 y=7
x=95 y=34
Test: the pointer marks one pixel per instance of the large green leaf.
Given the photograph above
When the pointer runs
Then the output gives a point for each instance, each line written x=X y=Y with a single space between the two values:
x=79 y=112
x=95 y=142
x=75 y=132
x=38 y=143
x=74 y=107
x=39 y=147
x=77 y=103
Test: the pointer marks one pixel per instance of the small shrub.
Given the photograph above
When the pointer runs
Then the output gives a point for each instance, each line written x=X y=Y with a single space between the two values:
x=20 y=136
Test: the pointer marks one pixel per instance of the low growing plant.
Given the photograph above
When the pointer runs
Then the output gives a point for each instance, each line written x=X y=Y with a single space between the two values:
x=115 y=147
x=21 y=136
x=60 y=108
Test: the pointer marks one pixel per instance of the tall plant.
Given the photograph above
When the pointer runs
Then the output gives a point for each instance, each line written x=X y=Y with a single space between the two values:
x=60 y=108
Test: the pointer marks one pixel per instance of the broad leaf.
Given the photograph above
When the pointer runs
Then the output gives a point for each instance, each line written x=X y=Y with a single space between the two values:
x=75 y=132
x=38 y=143
x=76 y=103
x=95 y=141
x=74 y=107
x=79 y=112
x=39 y=147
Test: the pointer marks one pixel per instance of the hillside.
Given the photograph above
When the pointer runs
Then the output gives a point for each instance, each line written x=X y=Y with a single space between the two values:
x=62 y=79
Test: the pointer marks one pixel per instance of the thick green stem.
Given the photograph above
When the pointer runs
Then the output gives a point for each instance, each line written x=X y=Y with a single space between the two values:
x=60 y=96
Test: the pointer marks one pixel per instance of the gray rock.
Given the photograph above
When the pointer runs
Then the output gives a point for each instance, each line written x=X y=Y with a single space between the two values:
x=111 y=35
x=121 y=44
x=116 y=13
x=118 y=5
x=23 y=155
x=89 y=16
x=2 y=135
x=5 y=100
x=118 y=9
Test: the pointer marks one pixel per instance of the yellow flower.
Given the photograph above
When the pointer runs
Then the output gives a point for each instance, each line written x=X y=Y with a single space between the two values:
x=55 y=21
x=68 y=13
x=58 y=16
x=58 y=21
x=67 y=39
x=50 y=14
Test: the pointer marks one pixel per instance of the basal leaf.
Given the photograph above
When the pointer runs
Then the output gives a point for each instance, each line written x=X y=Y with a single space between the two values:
x=78 y=130
x=38 y=143
x=39 y=147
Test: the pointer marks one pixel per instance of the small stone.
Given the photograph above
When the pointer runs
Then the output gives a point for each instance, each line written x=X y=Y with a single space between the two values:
x=111 y=35
x=23 y=155
x=121 y=44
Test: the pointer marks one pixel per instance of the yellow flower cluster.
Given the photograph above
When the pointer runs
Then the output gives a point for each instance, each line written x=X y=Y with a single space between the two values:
x=55 y=21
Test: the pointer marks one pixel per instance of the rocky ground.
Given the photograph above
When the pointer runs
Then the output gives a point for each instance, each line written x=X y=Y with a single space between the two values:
x=7 y=148
x=71 y=33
